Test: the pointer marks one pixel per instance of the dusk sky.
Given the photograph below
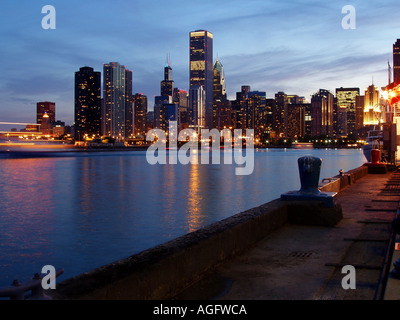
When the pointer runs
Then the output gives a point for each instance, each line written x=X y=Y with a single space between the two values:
x=293 y=46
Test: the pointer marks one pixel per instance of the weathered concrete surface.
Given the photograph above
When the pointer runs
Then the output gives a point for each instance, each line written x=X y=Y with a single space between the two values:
x=304 y=262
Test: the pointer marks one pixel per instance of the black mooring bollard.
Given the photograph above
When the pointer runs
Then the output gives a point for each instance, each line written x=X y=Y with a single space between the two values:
x=309 y=170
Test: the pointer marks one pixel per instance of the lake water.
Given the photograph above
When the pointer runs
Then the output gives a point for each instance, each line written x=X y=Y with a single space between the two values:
x=85 y=210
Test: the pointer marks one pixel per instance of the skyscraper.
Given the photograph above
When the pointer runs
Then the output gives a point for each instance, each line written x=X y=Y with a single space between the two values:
x=318 y=110
x=329 y=111
x=396 y=61
x=181 y=98
x=113 y=113
x=201 y=69
x=219 y=86
x=296 y=125
x=87 y=103
x=167 y=85
x=140 y=114
x=280 y=114
x=219 y=92
x=372 y=107
x=45 y=107
x=257 y=114
x=197 y=107
x=128 y=104
x=346 y=98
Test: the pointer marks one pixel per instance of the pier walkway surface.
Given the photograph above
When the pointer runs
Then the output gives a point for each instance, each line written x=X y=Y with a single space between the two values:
x=298 y=262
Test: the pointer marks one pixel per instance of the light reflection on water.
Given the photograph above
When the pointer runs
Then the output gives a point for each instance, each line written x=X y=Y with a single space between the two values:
x=86 y=210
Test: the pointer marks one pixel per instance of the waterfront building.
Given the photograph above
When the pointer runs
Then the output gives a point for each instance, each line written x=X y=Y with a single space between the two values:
x=223 y=115
x=294 y=99
x=87 y=117
x=240 y=116
x=372 y=106
x=168 y=112
x=201 y=71
x=319 y=106
x=219 y=94
x=45 y=127
x=167 y=85
x=341 y=121
x=279 y=114
x=307 y=118
x=159 y=120
x=140 y=115
x=257 y=114
x=296 y=125
x=396 y=61
x=181 y=98
x=346 y=98
x=197 y=107
x=114 y=110
x=329 y=111
x=150 y=120
x=128 y=104
x=45 y=107
x=269 y=107
x=360 y=102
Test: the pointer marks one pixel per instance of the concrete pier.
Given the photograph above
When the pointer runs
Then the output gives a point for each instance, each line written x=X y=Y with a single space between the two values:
x=267 y=253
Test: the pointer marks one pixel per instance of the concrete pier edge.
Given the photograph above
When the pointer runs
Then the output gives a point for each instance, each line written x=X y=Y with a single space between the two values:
x=163 y=271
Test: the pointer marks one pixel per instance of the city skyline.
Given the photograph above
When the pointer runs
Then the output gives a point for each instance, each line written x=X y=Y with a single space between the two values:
x=295 y=48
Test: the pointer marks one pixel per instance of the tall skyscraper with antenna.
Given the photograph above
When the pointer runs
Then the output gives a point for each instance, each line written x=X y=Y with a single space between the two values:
x=201 y=69
x=167 y=85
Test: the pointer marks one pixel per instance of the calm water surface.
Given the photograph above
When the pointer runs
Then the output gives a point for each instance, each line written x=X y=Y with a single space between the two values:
x=86 y=210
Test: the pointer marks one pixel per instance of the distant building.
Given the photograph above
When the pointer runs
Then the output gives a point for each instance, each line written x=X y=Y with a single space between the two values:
x=114 y=109
x=279 y=114
x=45 y=124
x=341 y=122
x=181 y=98
x=372 y=107
x=396 y=62
x=128 y=104
x=307 y=118
x=45 y=107
x=167 y=85
x=197 y=107
x=319 y=107
x=201 y=70
x=257 y=114
x=223 y=115
x=159 y=116
x=296 y=125
x=360 y=112
x=58 y=128
x=87 y=116
x=169 y=112
x=329 y=111
x=346 y=98
x=219 y=94
x=140 y=114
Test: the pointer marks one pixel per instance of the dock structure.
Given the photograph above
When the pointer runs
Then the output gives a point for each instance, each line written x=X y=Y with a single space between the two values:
x=268 y=253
